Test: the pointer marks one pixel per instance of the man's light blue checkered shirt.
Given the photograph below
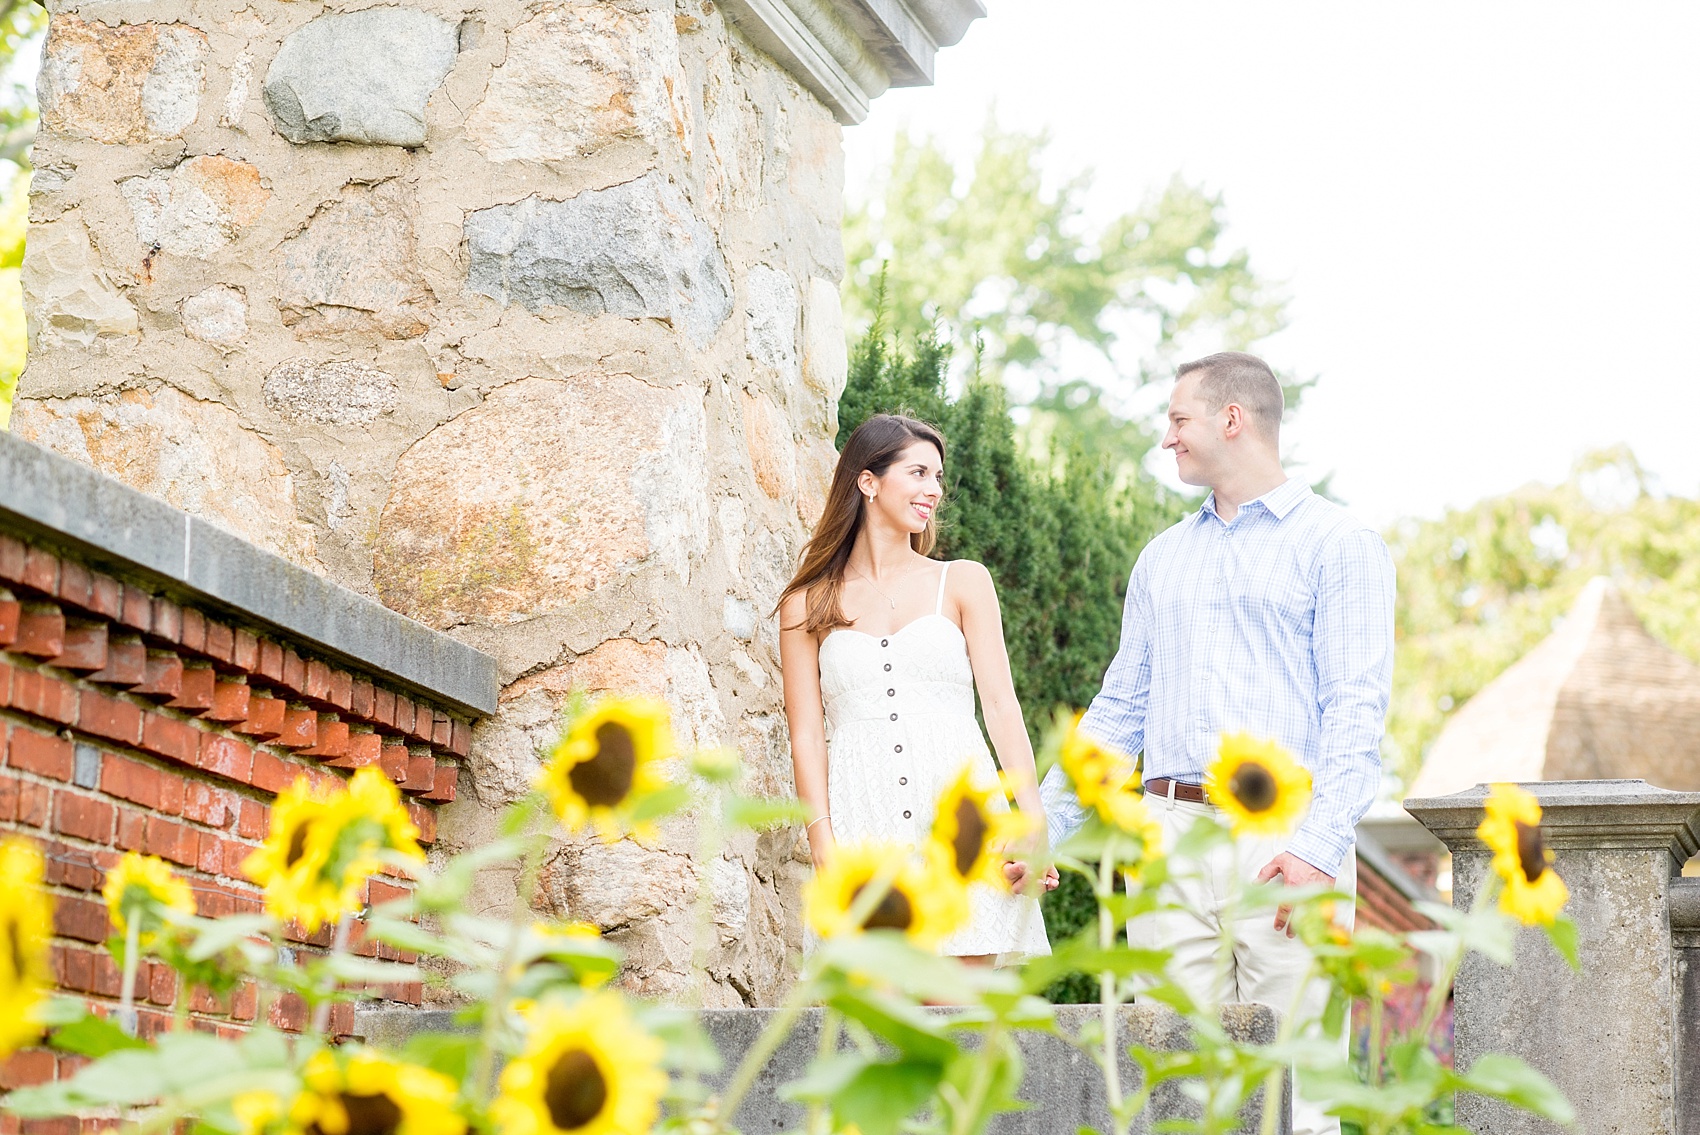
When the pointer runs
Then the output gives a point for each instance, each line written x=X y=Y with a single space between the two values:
x=1279 y=624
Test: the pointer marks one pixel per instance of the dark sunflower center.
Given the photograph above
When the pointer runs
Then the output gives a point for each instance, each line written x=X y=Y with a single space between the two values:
x=1254 y=787
x=970 y=841
x=575 y=1091
x=1531 y=850
x=297 y=845
x=606 y=778
x=893 y=913
x=367 y=1115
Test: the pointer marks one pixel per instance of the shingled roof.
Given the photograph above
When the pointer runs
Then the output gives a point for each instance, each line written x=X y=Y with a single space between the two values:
x=1598 y=698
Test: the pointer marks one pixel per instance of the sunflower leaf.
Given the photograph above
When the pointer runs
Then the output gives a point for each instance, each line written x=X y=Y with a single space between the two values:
x=874 y=1095
x=1562 y=933
x=760 y=814
x=93 y=1036
x=663 y=801
x=1508 y=1078
x=216 y=935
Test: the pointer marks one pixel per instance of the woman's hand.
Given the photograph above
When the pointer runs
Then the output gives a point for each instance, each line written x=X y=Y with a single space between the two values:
x=821 y=842
x=1017 y=872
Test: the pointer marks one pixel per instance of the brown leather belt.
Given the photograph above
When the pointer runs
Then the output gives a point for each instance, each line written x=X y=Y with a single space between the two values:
x=1191 y=793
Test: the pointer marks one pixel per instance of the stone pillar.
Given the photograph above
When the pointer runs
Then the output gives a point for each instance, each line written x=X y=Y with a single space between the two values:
x=521 y=317
x=1605 y=1036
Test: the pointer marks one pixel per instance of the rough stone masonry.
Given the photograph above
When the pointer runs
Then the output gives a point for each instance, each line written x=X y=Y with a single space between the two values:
x=521 y=318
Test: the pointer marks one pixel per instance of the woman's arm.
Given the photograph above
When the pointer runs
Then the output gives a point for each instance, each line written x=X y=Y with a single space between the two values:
x=976 y=598
x=799 y=661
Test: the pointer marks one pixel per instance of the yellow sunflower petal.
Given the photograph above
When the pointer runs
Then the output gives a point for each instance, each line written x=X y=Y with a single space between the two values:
x=26 y=925
x=973 y=827
x=325 y=842
x=1257 y=785
x=608 y=762
x=587 y=1069
x=1100 y=775
x=144 y=885
x=360 y=1092
x=925 y=900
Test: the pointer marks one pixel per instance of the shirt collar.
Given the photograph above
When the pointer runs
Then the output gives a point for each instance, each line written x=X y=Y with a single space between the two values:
x=1278 y=502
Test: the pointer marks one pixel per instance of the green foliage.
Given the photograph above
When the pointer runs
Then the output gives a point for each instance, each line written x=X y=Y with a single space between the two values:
x=884 y=1061
x=1483 y=585
x=995 y=255
x=1059 y=545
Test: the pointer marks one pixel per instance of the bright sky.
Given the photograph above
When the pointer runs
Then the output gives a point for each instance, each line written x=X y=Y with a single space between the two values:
x=1487 y=214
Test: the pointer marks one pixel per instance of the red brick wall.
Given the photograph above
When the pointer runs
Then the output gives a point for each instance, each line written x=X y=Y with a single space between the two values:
x=130 y=722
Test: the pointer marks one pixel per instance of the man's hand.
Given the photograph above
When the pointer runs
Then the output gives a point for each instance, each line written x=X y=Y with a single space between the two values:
x=1294 y=872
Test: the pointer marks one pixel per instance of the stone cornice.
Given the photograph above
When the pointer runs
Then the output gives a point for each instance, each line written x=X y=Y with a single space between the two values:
x=1600 y=814
x=116 y=528
x=848 y=52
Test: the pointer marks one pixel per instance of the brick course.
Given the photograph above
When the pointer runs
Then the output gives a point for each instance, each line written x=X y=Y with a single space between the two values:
x=129 y=722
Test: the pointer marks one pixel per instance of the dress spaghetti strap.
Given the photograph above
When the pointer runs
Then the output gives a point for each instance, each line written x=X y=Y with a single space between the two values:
x=938 y=607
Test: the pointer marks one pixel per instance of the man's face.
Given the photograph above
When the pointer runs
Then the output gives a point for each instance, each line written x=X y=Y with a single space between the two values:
x=1194 y=434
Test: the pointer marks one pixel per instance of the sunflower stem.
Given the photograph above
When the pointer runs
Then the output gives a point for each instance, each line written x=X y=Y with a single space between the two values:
x=1109 y=998
x=969 y=1112
x=1376 y=1030
x=1272 y=1101
x=127 y=991
x=496 y=1011
x=327 y=994
x=1436 y=1000
x=819 y=1123
x=761 y=1052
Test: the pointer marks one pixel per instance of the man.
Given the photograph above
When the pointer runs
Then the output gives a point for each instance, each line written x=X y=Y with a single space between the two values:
x=1268 y=611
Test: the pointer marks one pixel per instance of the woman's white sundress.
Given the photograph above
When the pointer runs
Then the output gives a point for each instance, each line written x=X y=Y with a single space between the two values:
x=900 y=725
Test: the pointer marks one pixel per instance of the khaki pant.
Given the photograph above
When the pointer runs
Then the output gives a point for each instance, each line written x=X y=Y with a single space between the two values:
x=1267 y=966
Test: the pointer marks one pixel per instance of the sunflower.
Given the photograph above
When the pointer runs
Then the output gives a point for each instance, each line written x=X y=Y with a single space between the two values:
x=324 y=844
x=973 y=830
x=925 y=901
x=365 y=1093
x=1103 y=779
x=587 y=1069
x=1261 y=788
x=145 y=887
x=607 y=763
x=1534 y=894
x=1147 y=847
x=26 y=924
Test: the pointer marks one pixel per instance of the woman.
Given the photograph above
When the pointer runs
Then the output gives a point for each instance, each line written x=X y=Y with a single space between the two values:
x=882 y=650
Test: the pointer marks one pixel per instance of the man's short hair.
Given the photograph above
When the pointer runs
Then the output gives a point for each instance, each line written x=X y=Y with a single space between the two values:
x=1246 y=381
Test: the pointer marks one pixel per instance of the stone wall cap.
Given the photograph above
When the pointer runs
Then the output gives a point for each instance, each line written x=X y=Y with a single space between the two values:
x=848 y=52
x=119 y=529
x=1601 y=814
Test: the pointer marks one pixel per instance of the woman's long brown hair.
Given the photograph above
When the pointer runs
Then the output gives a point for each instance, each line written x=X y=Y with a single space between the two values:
x=874 y=445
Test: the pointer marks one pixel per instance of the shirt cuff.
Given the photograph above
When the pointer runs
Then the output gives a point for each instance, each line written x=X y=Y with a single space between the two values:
x=1063 y=814
x=1320 y=850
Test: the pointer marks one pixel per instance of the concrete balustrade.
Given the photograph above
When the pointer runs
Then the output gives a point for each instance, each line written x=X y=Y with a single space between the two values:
x=1062 y=1084
x=1621 y=1037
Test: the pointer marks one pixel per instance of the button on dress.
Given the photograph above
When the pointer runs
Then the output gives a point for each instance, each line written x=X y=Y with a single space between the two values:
x=900 y=725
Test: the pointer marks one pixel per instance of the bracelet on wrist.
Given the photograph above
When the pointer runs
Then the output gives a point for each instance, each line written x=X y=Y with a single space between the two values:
x=815 y=821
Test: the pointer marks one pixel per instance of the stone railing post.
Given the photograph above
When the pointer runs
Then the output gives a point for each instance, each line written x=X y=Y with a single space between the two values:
x=1607 y=1035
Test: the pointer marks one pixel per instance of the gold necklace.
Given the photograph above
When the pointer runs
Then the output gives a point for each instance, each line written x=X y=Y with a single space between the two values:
x=876 y=586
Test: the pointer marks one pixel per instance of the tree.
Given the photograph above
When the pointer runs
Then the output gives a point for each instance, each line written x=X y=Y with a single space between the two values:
x=1483 y=585
x=1027 y=287
x=999 y=258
